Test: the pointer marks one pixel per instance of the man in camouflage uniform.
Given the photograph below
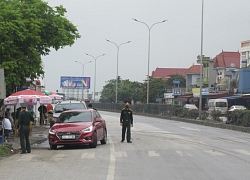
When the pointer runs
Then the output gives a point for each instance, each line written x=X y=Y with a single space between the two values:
x=126 y=121
x=24 y=119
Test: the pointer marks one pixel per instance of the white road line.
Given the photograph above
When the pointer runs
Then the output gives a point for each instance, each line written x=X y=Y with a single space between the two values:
x=58 y=157
x=26 y=157
x=153 y=154
x=179 y=152
x=190 y=129
x=111 y=171
x=121 y=154
x=243 y=152
x=90 y=155
x=214 y=153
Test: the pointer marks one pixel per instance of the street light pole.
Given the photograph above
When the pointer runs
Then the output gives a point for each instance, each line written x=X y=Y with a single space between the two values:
x=118 y=48
x=83 y=74
x=149 y=33
x=95 y=58
x=201 y=63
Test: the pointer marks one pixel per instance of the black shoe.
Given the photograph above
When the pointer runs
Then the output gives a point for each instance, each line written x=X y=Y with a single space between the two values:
x=22 y=152
x=122 y=140
x=129 y=141
x=28 y=151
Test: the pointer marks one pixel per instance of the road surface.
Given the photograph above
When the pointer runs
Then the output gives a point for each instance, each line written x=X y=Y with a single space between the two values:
x=161 y=149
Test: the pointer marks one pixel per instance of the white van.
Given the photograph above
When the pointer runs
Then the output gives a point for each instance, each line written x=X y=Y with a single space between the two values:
x=218 y=104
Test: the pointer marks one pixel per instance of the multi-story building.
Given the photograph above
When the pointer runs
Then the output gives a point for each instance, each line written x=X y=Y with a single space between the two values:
x=209 y=74
x=227 y=65
x=245 y=54
x=192 y=77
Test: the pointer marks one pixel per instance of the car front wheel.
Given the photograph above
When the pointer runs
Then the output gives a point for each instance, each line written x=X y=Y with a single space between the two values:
x=53 y=147
x=94 y=144
x=104 y=140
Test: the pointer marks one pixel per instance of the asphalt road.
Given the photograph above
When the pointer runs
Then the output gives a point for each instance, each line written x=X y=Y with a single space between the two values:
x=161 y=149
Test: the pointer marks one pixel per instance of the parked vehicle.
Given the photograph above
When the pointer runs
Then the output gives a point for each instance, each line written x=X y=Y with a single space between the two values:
x=68 y=105
x=190 y=106
x=78 y=127
x=237 y=107
x=218 y=105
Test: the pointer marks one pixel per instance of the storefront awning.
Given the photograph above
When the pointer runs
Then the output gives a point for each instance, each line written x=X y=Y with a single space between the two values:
x=236 y=96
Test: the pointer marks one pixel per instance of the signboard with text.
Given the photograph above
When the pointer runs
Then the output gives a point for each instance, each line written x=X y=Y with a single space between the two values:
x=69 y=82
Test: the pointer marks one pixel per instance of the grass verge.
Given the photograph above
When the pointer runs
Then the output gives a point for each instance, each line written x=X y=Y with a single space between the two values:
x=4 y=150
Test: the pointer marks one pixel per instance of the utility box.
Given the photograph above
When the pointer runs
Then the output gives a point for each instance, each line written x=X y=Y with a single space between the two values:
x=244 y=81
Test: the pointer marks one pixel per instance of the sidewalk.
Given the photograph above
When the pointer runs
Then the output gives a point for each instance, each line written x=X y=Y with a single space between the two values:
x=39 y=135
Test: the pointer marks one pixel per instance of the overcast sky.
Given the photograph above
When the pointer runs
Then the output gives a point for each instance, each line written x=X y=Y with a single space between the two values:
x=175 y=43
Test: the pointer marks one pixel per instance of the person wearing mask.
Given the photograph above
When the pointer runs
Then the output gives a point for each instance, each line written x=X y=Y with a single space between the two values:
x=23 y=129
x=91 y=107
x=126 y=121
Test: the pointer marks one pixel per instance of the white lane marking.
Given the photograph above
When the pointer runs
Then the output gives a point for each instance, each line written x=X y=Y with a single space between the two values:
x=90 y=155
x=179 y=152
x=214 y=153
x=26 y=157
x=58 y=157
x=153 y=154
x=121 y=154
x=111 y=170
x=243 y=152
x=190 y=129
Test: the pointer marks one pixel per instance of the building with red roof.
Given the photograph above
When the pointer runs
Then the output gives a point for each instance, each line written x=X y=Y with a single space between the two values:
x=192 y=77
x=165 y=73
x=226 y=65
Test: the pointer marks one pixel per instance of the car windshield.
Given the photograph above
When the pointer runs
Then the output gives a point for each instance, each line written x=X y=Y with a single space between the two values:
x=239 y=107
x=221 y=104
x=190 y=106
x=71 y=117
x=70 y=106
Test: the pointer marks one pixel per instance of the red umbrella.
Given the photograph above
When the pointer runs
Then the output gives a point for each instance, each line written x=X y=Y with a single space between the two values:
x=28 y=92
x=27 y=96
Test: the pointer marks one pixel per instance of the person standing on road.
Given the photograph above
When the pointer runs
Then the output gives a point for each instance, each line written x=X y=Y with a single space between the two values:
x=24 y=120
x=126 y=121
x=91 y=107
x=42 y=111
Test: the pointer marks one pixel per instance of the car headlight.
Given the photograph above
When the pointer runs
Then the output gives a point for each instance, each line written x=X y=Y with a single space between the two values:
x=51 y=131
x=88 y=129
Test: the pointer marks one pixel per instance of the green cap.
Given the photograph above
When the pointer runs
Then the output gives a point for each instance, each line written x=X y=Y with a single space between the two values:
x=23 y=104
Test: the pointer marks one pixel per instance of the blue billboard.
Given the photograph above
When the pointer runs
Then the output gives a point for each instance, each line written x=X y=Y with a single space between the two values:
x=69 y=82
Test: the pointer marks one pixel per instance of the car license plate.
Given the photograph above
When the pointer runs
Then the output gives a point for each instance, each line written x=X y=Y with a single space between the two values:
x=68 y=137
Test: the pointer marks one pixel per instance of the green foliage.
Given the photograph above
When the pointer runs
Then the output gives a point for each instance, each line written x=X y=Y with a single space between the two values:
x=204 y=115
x=4 y=150
x=169 y=82
x=246 y=119
x=215 y=115
x=193 y=114
x=28 y=30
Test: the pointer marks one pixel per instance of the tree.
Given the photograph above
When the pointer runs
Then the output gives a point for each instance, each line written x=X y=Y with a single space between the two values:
x=28 y=30
x=108 y=92
x=182 y=79
x=156 y=89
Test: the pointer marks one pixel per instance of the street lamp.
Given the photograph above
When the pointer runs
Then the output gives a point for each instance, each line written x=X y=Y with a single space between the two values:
x=149 y=29
x=83 y=74
x=118 y=48
x=201 y=64
x=95 y=58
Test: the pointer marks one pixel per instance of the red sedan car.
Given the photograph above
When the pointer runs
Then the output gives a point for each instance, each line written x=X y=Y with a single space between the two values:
x=78 y=127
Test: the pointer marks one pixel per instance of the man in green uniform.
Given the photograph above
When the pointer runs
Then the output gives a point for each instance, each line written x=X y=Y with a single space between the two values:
x=126 y=121
x=24 y=119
